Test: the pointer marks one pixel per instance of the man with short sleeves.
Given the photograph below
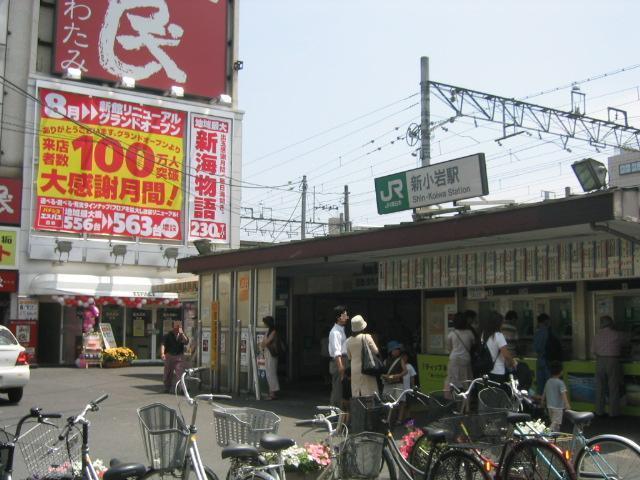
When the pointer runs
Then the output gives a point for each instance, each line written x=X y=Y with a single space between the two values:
x=607 y=348
x=338 y=354
x=172 y=352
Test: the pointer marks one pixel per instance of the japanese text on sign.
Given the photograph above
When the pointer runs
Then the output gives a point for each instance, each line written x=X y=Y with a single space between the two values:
x=121 y=175
x=445 y=182
x=210 y=159
x=156 y=42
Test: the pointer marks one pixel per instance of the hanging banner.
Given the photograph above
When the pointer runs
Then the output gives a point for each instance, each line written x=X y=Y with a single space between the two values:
x=108 y=166
x=209 y=212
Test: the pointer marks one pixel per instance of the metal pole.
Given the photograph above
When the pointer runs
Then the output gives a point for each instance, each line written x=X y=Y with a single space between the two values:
x=303 y=219
x=347 y=223
x=425 y=115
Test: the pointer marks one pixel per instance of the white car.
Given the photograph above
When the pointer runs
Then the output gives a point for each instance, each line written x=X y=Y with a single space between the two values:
x=14 y=369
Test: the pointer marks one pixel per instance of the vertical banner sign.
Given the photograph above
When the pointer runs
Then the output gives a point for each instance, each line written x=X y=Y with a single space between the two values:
x=210 y=168
x=119 y=172
x=158 y=43
x=10 y=201
x=214 y=334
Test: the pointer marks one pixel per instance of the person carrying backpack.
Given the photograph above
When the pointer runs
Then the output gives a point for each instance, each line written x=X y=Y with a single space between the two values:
x=496 y=346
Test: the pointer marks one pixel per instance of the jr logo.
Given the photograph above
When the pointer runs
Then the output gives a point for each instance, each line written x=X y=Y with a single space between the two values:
x=394 y=188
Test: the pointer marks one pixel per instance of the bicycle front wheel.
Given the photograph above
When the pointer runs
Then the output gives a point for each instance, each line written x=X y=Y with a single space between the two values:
x=456 y=463
x=608 y=457
x=536 y=460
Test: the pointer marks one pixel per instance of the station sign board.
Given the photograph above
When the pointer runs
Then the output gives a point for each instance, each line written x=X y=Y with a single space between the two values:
x=464 y=177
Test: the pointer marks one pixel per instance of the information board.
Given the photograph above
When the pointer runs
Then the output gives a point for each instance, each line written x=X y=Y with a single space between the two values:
x=108 y=338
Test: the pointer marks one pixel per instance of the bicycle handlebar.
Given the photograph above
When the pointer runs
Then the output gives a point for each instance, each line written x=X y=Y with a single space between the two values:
x=465 y=394
x=190 y=373
x=34 y=412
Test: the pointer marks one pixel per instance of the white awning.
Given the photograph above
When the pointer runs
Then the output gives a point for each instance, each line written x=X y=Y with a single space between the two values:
x=92 y=285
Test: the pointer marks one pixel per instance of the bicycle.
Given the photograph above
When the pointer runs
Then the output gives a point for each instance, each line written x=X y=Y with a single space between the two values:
x=608 y=456
x=352 y=456
x=169 y=444
x=462 y=401
x=434 y=447
x=41 y=430
x=516 y=457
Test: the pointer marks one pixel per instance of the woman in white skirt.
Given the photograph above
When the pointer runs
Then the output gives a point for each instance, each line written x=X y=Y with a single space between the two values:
x=459 y=344
x=270 y=347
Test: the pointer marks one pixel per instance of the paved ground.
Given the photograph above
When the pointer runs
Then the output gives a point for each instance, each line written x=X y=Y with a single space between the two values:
x=115 y=431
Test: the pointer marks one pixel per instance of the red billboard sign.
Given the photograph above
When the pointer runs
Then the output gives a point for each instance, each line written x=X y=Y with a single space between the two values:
x=8 y=281
x=10 y=200
x=119 y=172
x=159 y=43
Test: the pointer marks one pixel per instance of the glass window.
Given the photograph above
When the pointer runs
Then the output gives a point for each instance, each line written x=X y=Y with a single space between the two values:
x=7 y=338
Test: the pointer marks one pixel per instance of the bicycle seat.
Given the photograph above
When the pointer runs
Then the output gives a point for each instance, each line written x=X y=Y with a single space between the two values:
x=240 y=451
x=436 y=435
x=515 y=417
x=579 y=418
x=121 y=471
x=275 y=443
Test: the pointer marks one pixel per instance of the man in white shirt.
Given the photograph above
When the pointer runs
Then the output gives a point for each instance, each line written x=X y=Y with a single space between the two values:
x=338 y=354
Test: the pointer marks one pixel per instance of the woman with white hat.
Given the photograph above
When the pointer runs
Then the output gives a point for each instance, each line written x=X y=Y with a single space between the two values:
x=361 y=385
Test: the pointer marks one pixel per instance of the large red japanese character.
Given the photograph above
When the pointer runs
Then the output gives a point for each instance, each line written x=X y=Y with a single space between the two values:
x=206 y=186
x=54 y=181
x=207 y=141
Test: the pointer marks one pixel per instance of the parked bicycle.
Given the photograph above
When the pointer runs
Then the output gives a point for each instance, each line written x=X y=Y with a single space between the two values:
x=433 y=446
x=170 y=444
x=607 y=457
x=462 y=405
x=489 y=437
x=38 y=433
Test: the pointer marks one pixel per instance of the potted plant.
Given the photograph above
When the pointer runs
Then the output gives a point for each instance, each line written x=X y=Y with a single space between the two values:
x=118 y=357
x=304 y=462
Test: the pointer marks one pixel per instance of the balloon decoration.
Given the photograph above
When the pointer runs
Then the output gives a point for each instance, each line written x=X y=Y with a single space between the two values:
x=85 y=301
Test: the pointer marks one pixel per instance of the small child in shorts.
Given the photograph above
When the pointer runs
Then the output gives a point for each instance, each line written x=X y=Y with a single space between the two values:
x=555 y=397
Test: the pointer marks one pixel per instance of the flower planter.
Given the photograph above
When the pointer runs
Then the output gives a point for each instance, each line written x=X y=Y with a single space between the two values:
x=115 y=364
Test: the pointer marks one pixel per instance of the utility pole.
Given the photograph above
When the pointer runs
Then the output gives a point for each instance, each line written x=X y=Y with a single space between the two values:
x=347 y=223
x=425 y=113
x=303 y=219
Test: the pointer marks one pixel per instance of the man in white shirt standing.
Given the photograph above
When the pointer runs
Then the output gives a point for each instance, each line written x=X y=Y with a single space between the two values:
x=338 y=354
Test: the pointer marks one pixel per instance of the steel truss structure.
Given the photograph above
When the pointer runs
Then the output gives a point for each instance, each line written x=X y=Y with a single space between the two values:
x=517 y=116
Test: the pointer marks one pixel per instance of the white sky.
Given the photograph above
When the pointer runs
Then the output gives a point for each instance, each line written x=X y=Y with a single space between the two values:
x=313 y=66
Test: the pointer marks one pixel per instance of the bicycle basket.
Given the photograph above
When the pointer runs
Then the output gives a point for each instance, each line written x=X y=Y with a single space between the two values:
x=427 y=410
x=367 y=415
x=361 y=456
x=44 y=454
x=164 y=435
x=487 y=428
x=494 y=399
x=243 y=425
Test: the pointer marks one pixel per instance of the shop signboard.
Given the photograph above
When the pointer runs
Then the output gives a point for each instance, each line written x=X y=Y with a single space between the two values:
x=210 y=169
x=27 y=309
x=10 y=201
x=8 y=252
x=443 y=182
x=108 y=166
x=26 y=332
x=108 y=338
x=159 y=43
x=432 y=372
x=8 y=281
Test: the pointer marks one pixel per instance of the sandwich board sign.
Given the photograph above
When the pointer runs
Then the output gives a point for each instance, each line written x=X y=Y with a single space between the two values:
x=464 y=177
